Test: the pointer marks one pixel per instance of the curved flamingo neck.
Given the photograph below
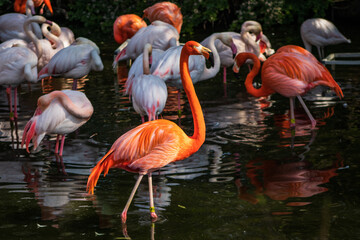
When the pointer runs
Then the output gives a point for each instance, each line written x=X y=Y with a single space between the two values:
x=256 y=92
x=211 y=72
x=52 y=37
x=198 y=117
x=32 y=36
x=250 y=43
x=78 y=112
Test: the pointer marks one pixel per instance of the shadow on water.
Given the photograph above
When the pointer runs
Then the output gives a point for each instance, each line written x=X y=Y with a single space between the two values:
x=254 y=177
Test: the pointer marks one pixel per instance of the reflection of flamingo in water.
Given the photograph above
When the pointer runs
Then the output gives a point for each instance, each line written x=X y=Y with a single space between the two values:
x=155 y=144
x=281 y=181
x=289 y=73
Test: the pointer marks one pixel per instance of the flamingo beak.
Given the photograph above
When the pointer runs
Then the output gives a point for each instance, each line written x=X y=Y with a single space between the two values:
x=258 y=36
x=48 y=4
x=49 y=22
x=236 y=67
x=32 y=8
x=208 y=55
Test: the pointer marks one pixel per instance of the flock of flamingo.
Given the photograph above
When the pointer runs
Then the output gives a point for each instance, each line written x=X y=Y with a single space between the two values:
x=29 y=53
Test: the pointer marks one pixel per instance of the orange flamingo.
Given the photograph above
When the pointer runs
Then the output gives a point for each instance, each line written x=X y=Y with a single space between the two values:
x=289 y=73
x=125 y=26
x=155 y=144
x=165 y=11
x=20 y=5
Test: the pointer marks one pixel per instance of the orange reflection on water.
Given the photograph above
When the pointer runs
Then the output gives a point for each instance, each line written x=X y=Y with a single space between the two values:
x=51 y=84
x=280 y=181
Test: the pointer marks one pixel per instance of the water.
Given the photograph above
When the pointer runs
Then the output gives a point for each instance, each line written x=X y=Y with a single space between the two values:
x=253 y=178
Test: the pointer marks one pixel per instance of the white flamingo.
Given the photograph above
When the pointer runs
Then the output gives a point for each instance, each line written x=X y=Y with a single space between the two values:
x=245 y=41
x=11 y=24
x=149 y=92
x=159 y=34
x=59 y=112
x=75 y=61
x=18 y=64
x=320 y=33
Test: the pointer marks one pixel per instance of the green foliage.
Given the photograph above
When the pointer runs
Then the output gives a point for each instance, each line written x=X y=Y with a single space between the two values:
x=6 y=6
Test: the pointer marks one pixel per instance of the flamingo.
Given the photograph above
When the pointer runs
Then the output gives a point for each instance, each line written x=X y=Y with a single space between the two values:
x=137 y=67
x=75 y=61
x=45 y=48
x=320 y=33
x=65 y=35
x=20 y=5
x=59 y=112
x=244 y=42
x=125 y=27
x=155 y=144
x=149 y=92
x=18 y=64
x=159 y=34
x=167 y=12
x=11 y=24
x=288 y=73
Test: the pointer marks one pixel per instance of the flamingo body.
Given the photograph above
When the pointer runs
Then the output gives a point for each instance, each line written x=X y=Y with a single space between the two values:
x=63 y=113
x=320 y=32
x=159 y=34
x=167 y=12
x=125 y=27
x=18 y=64
x=149 y=95
x=75 y=61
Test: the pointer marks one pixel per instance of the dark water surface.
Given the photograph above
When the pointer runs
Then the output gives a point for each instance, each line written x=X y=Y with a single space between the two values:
x=253 y=178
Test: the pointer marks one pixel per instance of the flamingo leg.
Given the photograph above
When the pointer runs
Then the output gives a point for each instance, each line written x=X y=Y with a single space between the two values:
x=8 y=93
x=319 y=51
x=224 y=77
x=15 y=103
x=312 y=119
x=62 y=145
x=179 y=106
x=74 y=86
x=292 y=115
x=57 y=143
x=142 y=119
x=152 y=206
x=124 y=212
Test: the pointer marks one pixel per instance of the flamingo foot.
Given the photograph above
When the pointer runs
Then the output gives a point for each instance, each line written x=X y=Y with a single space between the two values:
x=123 y=216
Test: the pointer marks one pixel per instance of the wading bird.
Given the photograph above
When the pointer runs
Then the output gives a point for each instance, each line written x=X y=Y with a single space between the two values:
x=75 y=61
x=165 y=11
x=18 y=64
x=149 y=92
x=320 y=33
x=59 y=112
x=288 y=73
x=155 y=144
x=125 y=27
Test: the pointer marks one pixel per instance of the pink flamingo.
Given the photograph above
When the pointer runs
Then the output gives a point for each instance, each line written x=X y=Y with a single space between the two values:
x=288 y=73
x=159 y=34
x=320 y=33
x=167 y=12
x=149 y=92
x=125 y=27
x=59 y=112
x=75 y=61
x=18 y=64
x=11 y=24
x=155 y=144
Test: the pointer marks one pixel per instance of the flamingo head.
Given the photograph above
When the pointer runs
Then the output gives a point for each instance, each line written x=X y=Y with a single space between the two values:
x=240 y=59
x=228 y=40
x=48 y=4
x=195 y=48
